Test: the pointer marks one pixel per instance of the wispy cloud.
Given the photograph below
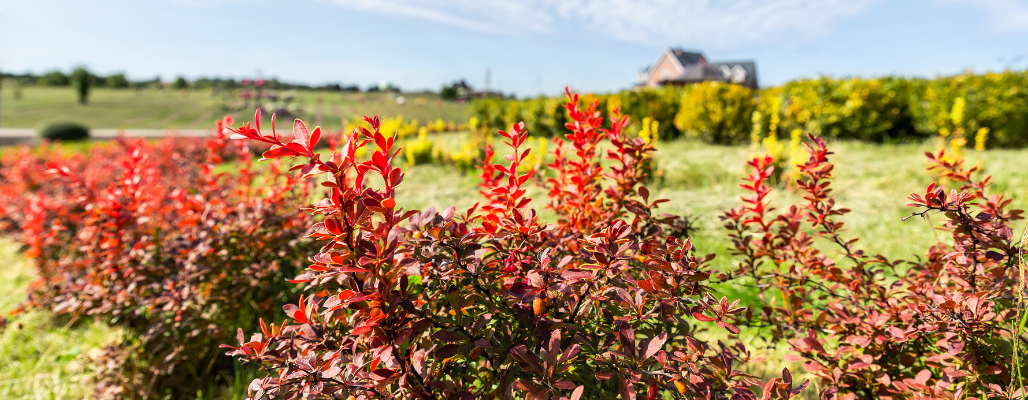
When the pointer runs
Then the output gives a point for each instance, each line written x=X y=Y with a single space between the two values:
x=722 y=24
x=717 y=24
x=480 y=15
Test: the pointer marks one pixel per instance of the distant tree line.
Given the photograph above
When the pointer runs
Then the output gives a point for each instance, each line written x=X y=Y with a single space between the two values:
x=82 y=80
x=120 y=81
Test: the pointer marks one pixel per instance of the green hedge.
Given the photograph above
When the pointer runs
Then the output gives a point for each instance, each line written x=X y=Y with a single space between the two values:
x=886 y=109
x=64 y=132
x=716 y=112
x=862 y=109
x=998 y=102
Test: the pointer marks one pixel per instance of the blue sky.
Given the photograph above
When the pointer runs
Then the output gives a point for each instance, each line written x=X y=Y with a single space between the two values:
x=530 y=46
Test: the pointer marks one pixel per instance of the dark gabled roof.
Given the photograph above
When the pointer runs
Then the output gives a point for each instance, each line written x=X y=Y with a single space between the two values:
x=726 y=72
x=686 y=58
x=693 y=73
x=740 y=72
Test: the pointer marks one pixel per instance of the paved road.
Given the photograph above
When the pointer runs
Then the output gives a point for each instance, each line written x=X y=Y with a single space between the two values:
x=14 y=136
x=18 y=135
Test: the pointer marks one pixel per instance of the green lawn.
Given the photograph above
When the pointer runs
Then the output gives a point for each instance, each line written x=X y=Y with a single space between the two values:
x=699 y=179
x=191 y=109
x=41 y=357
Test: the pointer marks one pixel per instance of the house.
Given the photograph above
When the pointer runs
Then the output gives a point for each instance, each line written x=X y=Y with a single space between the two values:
x=679 y=67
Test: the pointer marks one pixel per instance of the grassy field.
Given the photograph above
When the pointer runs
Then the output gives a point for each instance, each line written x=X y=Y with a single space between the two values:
x=699 y=179
x=41 y=357
x=191 y=109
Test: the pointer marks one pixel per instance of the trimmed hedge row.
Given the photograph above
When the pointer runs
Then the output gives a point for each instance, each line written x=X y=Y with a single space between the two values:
x=992 y=108
x=65 y=131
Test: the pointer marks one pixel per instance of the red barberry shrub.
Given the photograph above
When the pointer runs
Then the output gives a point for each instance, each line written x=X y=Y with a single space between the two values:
x=491 y=302
x=23 y=173
x=941 y=326
x=152 y=238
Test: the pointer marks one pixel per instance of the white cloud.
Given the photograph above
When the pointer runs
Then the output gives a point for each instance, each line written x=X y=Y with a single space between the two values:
x=714 y=23
x=720 y=23
x=480 y=15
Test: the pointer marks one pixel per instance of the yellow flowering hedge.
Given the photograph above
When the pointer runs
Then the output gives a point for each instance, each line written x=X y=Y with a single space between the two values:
x=987 y=110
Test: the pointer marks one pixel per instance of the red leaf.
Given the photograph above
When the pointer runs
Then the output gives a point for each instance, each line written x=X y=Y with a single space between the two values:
x=564 y=385
x=655 y=345
x=883 y=378
x=382 y=374
x=275 y=134
x=297 y=149
x=315 y=137
x=923 y=376
x=768 y=389
x=300 y=135
x=333 y=226
x=379 y=160
x=731 y=328
x=277 y=153
x=577 y=394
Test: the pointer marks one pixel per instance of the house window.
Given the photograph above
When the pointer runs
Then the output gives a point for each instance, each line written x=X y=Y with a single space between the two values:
x=665 y=75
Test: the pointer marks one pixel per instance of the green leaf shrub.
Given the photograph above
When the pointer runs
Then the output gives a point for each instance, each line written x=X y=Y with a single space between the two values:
x=997 y=101
x=64 y=131
x=873 y=110
x=991 y=110
x=716 y=112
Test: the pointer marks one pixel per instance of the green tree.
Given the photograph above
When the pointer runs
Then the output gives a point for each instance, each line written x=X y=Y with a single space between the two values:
x=81 y=80
x=449 y=92
x=180 y=83
x=204 y=83
x=116 y=81
x=53 y=78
